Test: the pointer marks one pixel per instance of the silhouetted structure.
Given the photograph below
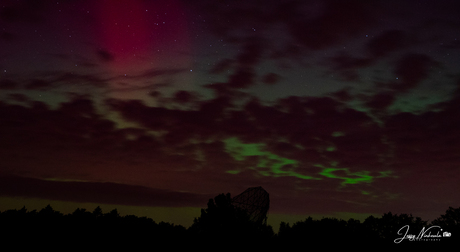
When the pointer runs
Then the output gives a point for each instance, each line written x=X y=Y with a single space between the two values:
x=255 y=201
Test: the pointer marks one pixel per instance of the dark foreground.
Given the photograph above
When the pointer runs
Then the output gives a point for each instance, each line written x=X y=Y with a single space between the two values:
x=215 y=230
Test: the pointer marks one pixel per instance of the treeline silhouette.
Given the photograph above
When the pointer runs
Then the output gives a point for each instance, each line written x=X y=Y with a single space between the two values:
x=50 y=228
x=220 y=225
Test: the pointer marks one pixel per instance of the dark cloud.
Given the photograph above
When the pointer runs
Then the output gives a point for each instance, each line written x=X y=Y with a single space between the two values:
x=243 y=15
x=7 y=84
x=425 y=142
x=7 y=36
x=242 y=78
x=39 y=84
x=53 y=80
x=344 y=62
x=105 y=55
x=74 y=59
x=244 y=74
x=72 y=141
x=155 y=94
x=342 y=95
x=270 y=78
x=58 y=79
x=251 y=53
x=69 y=125
x=339 y=21
x=183 y=97
x=96 y=192
x=411 y=69
x=381 y=101
x=156 y=72
x=455 y=44
x=388 y=42
x=221 y=66
x=314 y=25
x=180 y=125
x=156 y=118
x=19 y=97
x=378 y=47
x=71 y=78
x=347 y=66
x=22 y=11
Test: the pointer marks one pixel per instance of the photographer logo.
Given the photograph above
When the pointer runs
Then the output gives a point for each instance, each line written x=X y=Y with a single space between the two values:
x=433 y=233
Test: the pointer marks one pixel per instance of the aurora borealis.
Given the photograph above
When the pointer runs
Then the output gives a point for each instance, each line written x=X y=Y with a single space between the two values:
x=336 y=108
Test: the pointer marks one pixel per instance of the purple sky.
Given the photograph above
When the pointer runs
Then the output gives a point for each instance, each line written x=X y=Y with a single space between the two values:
x=336 y=108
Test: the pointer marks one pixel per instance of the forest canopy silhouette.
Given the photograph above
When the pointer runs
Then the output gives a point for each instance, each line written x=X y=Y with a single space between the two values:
x=220 y=223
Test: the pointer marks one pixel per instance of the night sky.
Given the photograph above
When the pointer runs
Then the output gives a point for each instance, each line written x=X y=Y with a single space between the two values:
x=336 y=108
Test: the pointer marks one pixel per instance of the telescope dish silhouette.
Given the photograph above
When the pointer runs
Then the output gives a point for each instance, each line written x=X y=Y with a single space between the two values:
x=255 y=201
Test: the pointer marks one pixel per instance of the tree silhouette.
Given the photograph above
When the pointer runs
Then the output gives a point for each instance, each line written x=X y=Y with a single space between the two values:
x=385 y=229
x=82 y=229
x=450 y=222
x=97 y=211
x=222 y=222
x=220 y=225
x=319 y=232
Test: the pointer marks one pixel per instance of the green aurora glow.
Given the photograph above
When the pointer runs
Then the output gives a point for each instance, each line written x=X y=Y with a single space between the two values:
x=270 y=164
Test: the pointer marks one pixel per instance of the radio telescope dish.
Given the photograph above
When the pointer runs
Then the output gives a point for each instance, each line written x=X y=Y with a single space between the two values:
x=255 y=201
